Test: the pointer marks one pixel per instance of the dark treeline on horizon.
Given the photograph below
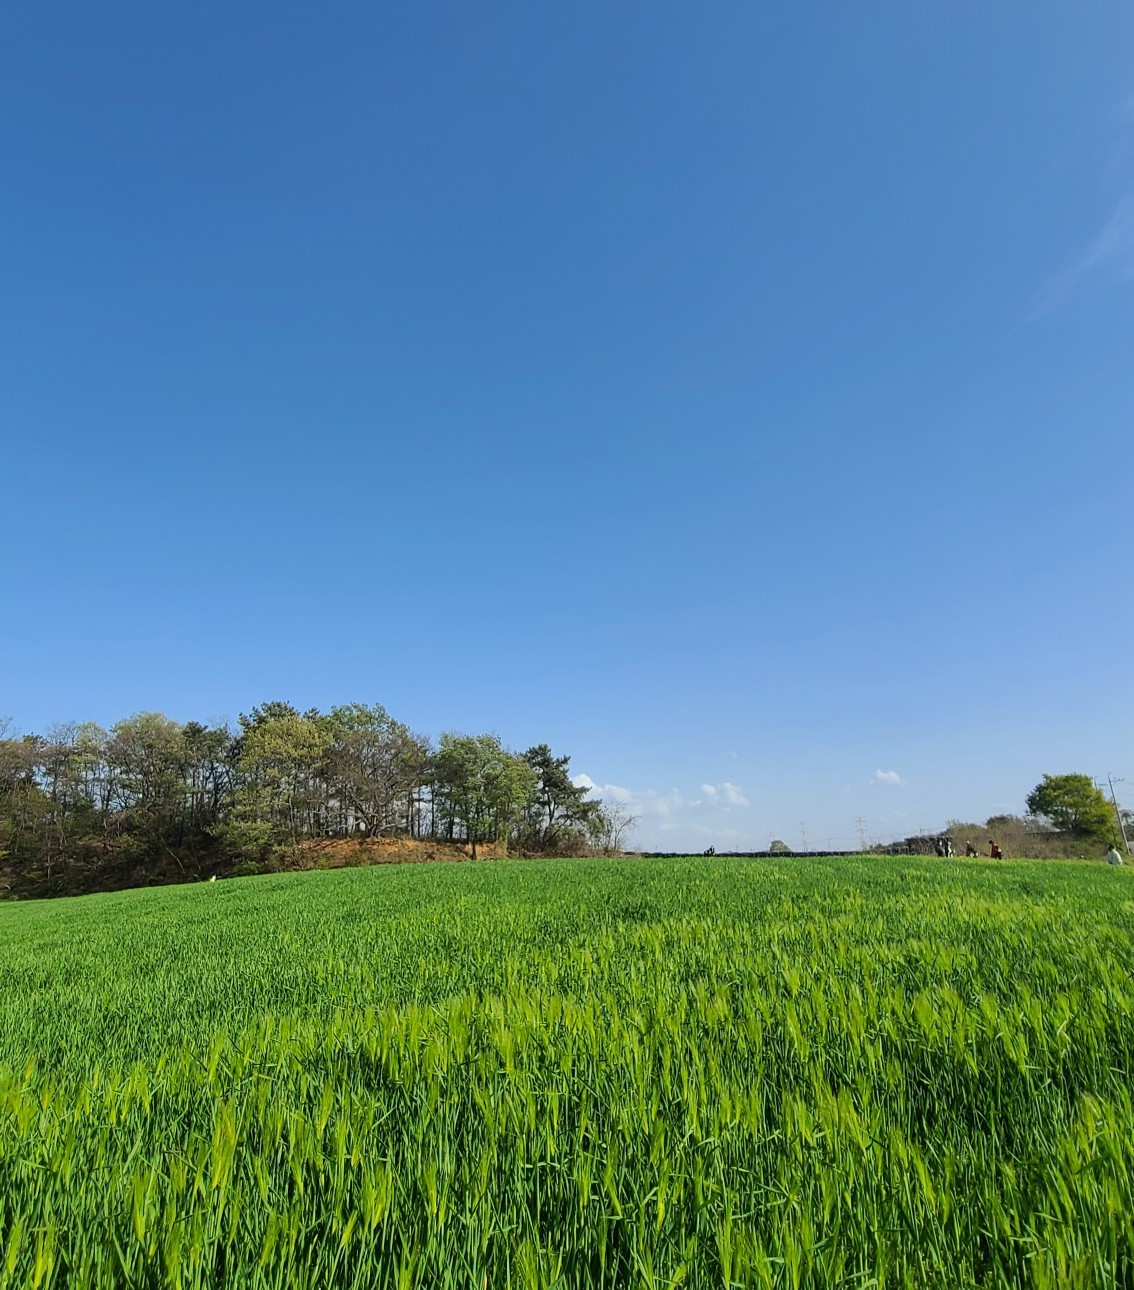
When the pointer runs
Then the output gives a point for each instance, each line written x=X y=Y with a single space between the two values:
x=82 y=806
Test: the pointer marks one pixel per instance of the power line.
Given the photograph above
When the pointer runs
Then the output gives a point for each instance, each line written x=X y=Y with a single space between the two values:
x=1118 y=811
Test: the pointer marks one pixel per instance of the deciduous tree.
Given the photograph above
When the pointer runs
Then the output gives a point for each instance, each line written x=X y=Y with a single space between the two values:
x=483 y=787
x=614 y=820
x=1073 y=803
x=281 y=758
x=376 y=767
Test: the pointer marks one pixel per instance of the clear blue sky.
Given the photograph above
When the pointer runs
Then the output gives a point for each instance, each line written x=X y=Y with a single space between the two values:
x=738 y=397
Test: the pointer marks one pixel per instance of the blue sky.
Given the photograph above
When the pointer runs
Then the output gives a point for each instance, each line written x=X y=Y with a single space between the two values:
x=736 y=397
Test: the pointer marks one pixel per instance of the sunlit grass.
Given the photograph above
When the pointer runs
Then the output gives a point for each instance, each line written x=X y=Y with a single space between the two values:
x=583 y=1073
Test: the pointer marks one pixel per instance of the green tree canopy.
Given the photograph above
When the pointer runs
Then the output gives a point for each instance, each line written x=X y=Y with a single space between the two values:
x=281 y=755
x=483 y=787
x=376 y=766
x=558 y=807
x=147 y=754
x=1072 y=803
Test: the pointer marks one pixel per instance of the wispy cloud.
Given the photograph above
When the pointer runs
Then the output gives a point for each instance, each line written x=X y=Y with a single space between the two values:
x=1108 y=258
x=1113 y=247
x=671 y=818
x=646 y=802
x=890 y=777
x=725 y=796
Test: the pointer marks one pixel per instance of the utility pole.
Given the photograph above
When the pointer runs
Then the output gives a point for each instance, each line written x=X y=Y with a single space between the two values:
x=861 y=831
x=803 y=830
x=1118 y=812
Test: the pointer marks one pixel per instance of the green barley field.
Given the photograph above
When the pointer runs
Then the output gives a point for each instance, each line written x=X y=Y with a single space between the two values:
x=705 y=1072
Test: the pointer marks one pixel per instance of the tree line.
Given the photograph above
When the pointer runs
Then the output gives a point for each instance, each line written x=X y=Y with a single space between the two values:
x=1067 y=815
x=151 y=791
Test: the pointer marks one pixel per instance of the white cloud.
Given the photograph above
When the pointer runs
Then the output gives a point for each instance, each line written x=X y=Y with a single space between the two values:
x=644 y=802
x=670 y=819
x=732 y=795
x=724 y=795
x=888 y=777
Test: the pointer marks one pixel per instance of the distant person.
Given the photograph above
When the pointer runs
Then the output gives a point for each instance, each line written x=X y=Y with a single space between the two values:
x=1114 y=856
x=970 y=848
x=994 y=851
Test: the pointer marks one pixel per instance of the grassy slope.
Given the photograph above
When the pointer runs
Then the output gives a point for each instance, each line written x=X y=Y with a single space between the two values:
x=737 y=1067
x=127 y=974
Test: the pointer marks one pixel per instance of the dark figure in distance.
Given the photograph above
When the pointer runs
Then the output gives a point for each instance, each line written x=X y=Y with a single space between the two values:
x=994 y=851
x=970 y=849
